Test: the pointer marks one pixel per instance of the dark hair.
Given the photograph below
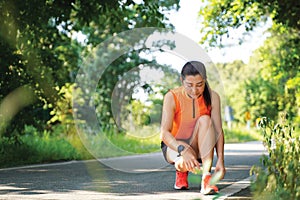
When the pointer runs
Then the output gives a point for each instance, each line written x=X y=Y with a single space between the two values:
x=194 y=68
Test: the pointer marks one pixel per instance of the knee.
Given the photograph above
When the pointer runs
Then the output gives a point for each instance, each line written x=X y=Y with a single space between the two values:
x=204 y=120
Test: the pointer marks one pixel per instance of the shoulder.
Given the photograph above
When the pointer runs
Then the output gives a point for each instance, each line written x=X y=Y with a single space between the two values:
x=215 y=97
x=169 y=101
x=169 y=97
x=174 y=93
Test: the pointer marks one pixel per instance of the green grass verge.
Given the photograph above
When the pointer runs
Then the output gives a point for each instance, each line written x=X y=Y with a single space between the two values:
x=239 y=135
x=35 y=147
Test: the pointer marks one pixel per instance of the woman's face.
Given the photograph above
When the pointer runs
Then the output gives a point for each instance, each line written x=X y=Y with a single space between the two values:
x=194 y=85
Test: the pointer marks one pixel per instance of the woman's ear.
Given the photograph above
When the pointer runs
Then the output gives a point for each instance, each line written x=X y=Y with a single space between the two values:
x=181 y=79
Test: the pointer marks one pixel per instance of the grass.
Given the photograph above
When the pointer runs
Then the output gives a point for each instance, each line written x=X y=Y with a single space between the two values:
x=34 y=147
x=239 y=135
x=109 y=144
x=139 y=144
x=147 y=140
x=141 y=140
x=44 y=147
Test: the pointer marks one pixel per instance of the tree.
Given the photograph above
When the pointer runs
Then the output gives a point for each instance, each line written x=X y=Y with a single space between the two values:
x=139 y=93
x=39 y=47
x=232 y=75
x=278 y=65
x=275 y=88
x=220 y=17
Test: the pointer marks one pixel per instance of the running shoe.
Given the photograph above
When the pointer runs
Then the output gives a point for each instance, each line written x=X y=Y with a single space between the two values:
x=181 y=182
x=206 y=188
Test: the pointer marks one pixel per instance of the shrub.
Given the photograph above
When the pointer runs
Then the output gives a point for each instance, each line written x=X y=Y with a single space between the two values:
x=279 y=176
x=41 y=147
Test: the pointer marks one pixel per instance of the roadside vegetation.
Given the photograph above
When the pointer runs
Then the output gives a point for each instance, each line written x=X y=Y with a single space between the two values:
x=278 y=177
x=268 y=87
x=41 y=54
x=36 y=147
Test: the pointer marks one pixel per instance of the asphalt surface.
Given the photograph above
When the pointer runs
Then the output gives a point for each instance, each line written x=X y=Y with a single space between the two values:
x=135 y=177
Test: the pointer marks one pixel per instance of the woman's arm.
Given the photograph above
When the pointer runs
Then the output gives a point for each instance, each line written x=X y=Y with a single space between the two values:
x=168 y=113
x=217 y=123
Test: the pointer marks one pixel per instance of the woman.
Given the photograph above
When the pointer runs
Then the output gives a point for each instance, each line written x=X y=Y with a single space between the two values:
x=191 y=128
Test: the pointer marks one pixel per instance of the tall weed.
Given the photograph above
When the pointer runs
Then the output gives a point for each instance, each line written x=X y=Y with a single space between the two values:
x=279 y=178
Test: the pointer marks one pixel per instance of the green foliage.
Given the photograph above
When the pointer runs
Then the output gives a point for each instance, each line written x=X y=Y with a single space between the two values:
x=62 y=113
x=233 y=76
x=41 y=147
x=143 y=140
x=261 y=98
x=280 y=178
x=142 y=103
x=269 y=84
x=116 y=98
x=139 y=113
x=39 y=46
x=107 y=143
x=221 y=17
x=275 y=89
x=240 y=134
x=115 y=88
x=12 y=154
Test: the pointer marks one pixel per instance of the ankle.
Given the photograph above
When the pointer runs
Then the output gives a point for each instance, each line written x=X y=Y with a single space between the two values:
x=182 y=171
x=206 y=174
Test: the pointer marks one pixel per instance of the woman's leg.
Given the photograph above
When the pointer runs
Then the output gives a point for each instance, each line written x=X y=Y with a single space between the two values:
x=204 y=141
x=181 y=180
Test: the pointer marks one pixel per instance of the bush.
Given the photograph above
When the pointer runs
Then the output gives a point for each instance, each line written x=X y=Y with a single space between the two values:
x=279 y=177
x=41 y=147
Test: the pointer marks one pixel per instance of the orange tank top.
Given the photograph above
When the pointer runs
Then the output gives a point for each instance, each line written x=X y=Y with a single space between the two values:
x=187 y=112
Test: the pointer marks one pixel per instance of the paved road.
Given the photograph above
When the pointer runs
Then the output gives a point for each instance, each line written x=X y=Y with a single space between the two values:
x=150 y=178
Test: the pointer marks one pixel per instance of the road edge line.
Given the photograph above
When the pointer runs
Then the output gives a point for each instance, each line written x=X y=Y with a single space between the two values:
x=235 y=187
x=40 y=165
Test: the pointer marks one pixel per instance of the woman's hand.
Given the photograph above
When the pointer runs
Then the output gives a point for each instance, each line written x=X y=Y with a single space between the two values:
x=220 y=168
x=189 y=158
